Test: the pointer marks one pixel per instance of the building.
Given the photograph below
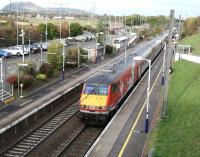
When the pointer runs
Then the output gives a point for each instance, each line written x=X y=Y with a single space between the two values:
x=95 y=53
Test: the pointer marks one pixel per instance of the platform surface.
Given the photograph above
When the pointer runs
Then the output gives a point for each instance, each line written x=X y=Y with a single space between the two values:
x=125 y=134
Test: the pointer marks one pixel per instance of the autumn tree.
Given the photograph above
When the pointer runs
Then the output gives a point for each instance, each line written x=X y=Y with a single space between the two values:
x=75 y=29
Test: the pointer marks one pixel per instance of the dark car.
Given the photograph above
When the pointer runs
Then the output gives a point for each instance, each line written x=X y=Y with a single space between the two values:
x=4 y=54
x=34 y=48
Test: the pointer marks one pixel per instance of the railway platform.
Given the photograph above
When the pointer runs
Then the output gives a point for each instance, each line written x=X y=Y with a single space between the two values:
x=125 y=134
x=20 y=109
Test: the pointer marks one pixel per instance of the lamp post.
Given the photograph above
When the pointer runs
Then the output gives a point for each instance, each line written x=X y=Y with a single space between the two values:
x=22 y=35
x=63 y=65
x=41 y=52
x=78 y=55
x=1 y=79
x=139 y=58
x=17 y=25
x=60 y=22
x=163 y=68
x=20 y=65
x=46 y=32
x=21 y=85
x=29 y=45
x=69 y=21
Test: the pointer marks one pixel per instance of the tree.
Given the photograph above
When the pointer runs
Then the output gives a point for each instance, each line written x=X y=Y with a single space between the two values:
x=191 y=25
x=65 y=29
x=75 y=29
x=72 y=55
x=52 y=31
x=158 y=20
x=55 y=54
x=101 y=27
x=89 y=28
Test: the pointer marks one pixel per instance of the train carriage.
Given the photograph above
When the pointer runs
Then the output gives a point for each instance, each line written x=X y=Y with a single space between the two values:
x=102 y=92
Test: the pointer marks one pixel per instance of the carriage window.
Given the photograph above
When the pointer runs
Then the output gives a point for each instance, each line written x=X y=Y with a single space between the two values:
x=90 y=89
x=114 y=88
x=103 y=90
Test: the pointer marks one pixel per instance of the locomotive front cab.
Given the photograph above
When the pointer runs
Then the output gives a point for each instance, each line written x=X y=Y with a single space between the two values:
x=94 y=99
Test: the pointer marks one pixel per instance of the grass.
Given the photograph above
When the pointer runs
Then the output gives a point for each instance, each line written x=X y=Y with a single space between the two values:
x=194 y=41
x=35 y=21
x=179 y=134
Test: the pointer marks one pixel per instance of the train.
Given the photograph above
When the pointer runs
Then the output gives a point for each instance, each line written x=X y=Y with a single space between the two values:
x=102 y=93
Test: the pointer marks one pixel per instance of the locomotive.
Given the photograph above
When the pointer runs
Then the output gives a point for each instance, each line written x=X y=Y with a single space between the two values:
x=102 y=92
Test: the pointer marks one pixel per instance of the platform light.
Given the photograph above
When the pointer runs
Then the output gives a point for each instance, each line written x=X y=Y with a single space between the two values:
x=140 y=58
x=20 y=65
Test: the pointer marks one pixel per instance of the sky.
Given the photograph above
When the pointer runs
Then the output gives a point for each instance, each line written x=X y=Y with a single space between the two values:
x=186 y=8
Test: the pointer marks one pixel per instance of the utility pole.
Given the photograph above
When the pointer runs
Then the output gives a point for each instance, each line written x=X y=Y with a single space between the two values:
x=10 y=8
x=41 y=51
x=115 y=23
x=22 y=35
x=46 y=33
x=63 y=64
x=29 y=45
x=168 y=62
x=69 y=22
x=179 y=27
x=17 y=25
x=125 y=22
x=60 y=22
x=1 y=79
x=109 y=28
x=78 y=55
x=81 y=17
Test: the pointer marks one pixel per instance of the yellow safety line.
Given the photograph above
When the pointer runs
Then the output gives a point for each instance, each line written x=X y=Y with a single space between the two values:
x=136 y=121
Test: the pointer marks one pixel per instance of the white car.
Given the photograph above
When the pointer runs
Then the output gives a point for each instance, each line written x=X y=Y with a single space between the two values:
x=80 y=38
x=17 y=50
x=92 y=35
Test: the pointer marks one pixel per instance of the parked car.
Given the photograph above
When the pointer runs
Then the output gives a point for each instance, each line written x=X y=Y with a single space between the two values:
x=70 y=39
x=26 y=48
x=34 y=48
x=17 y=50
x=44 y=46
x=89 y=35
x=80 y=38
x=4 y=54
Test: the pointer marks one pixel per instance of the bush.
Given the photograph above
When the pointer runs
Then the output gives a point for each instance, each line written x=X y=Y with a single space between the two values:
x=41 y=77
x=110 y=49
x=47 y=69
x=30 y=69
x=12 y=80
x=26 y=80
x=54 y=55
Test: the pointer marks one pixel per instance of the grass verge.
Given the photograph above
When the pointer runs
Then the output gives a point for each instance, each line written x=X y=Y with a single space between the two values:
x=194 y=41
x=179 y=135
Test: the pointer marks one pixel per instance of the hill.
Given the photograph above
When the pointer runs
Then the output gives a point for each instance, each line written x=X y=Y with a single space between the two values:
x=29 y=7
x=23 y=7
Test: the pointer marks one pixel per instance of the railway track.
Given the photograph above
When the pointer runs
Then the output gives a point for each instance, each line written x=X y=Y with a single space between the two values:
x=30 y=141
x=80 y=143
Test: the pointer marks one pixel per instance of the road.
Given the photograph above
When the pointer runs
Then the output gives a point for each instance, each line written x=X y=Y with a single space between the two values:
x=10 y=65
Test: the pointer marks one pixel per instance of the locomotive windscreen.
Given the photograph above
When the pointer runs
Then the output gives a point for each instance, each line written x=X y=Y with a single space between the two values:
x=96 y=89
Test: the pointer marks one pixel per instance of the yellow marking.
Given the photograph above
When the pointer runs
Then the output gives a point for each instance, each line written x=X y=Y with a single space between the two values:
x=93 y=100
x=136 y=121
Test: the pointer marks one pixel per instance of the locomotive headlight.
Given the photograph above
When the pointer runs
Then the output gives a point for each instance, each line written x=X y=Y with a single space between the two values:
x=102 y=107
